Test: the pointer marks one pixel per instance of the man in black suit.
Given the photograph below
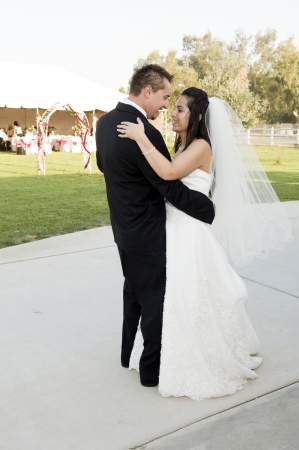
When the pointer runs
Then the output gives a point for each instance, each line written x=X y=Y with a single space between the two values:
x=136 y=199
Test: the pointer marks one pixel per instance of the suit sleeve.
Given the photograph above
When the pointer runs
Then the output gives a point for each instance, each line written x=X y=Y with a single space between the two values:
x=194 y=203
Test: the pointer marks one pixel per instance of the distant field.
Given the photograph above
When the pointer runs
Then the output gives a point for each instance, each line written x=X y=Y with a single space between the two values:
x=67 y=199
x=284 y=177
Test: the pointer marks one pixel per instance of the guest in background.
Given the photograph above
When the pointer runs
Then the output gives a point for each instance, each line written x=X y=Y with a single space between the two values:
x=28 y=134
x=3 y=134
x=17 y=129
x=4 y=140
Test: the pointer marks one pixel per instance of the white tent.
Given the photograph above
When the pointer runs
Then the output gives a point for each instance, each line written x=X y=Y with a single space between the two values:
x=32 y=86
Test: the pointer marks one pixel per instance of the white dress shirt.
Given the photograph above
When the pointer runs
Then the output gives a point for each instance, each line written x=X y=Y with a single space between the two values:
x=129 y=102
x=4 y=136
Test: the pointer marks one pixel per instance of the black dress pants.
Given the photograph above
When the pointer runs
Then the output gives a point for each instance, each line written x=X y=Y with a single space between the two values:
x=143 y=297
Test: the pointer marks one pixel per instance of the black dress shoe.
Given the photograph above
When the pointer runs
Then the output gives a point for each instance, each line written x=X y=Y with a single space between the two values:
x=149 y=384
x=126 y=366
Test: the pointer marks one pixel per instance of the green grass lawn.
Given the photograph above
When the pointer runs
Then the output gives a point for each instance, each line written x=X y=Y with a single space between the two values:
x=284 y=177
x=67 y=199
x=36 y=206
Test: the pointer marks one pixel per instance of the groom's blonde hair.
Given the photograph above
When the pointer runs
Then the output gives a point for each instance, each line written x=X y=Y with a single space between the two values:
x=152 y=75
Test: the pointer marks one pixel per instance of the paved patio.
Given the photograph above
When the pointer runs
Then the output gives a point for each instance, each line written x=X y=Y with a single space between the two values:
x=62 y=386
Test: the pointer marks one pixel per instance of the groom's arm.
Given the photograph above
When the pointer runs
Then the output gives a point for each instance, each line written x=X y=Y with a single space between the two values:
x=194 y=203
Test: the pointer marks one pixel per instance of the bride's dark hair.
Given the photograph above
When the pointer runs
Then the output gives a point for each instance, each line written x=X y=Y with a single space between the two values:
x=198 y=103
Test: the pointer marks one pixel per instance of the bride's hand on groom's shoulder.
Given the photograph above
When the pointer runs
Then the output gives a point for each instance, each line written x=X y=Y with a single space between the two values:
x=131 y=130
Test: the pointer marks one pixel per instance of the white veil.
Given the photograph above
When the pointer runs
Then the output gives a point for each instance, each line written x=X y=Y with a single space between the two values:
x=249 y=216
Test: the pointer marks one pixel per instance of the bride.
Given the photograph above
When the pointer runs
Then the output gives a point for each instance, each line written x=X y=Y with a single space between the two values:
x=208 y=342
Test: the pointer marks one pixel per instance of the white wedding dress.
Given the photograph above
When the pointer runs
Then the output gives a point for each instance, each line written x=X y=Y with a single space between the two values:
x=207 y=338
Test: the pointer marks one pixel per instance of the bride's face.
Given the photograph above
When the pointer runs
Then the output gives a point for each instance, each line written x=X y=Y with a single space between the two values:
x=180 y=115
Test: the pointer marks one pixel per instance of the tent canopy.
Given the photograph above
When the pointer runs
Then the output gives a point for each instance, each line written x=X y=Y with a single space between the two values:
x=32 y=86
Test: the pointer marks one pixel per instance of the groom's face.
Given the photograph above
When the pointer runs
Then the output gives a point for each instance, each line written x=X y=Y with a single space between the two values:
x=158 y=100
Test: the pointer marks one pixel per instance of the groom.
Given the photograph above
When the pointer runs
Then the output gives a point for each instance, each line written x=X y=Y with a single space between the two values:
x=136 y=199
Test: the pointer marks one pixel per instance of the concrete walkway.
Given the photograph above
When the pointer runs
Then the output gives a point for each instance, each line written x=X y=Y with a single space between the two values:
x=61 y=383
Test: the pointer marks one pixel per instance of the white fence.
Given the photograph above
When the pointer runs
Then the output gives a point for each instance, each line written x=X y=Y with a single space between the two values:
x=283 y=135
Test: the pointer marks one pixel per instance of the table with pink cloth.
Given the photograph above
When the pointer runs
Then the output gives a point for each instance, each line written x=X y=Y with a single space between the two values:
x=72 y=144
x=30 y=144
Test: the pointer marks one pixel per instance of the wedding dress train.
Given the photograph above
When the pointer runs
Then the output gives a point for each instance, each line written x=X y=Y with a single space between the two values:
x=207 y=338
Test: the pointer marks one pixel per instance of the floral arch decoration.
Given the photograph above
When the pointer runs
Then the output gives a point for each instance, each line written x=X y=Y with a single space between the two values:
x=42 y=123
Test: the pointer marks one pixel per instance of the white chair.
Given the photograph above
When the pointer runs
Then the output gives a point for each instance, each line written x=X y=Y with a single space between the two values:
x=57 y=143
x=26 y=142
x=90 y=144
x=76 y=144
x=64 y=144
x=34 y=146
x=14 y=141
x=70 y=141
x=93 y=146
x=46 y=146
x=18 y=143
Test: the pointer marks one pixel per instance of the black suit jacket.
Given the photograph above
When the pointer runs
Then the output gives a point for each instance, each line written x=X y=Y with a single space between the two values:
x=135 y=192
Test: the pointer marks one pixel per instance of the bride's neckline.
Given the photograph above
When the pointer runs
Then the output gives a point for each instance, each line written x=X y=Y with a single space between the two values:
x=202 y=171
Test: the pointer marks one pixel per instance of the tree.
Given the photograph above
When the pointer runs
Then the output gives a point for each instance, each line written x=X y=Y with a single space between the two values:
x=228 y=80
x=262 y=55
x=223 y=72
x=240 y=44
x=123 y=90
x=256 y=75
x=262 y=74
x=202 y=53
x=287 y=74
x=287 y=65
x=274 y=76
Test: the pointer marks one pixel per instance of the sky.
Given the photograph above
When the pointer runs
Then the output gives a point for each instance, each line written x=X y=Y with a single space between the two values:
x=102 y=40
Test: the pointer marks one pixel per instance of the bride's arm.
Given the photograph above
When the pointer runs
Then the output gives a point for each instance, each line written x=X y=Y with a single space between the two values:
x=193 y=158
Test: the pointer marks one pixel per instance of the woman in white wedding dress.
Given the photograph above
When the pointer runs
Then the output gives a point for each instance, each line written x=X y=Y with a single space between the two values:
x=207 y=339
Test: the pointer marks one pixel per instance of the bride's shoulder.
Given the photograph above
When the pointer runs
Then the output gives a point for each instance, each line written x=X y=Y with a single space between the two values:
x=201 y=145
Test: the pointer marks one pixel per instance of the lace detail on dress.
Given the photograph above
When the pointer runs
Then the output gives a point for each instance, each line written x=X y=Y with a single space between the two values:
x=175 y=215
x=220 y=363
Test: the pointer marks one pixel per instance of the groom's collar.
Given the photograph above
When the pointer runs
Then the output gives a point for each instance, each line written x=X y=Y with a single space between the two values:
x=126 y=101
x=131 y=110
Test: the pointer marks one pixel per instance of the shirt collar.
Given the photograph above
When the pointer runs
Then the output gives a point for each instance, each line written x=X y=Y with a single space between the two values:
x=129 y=102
